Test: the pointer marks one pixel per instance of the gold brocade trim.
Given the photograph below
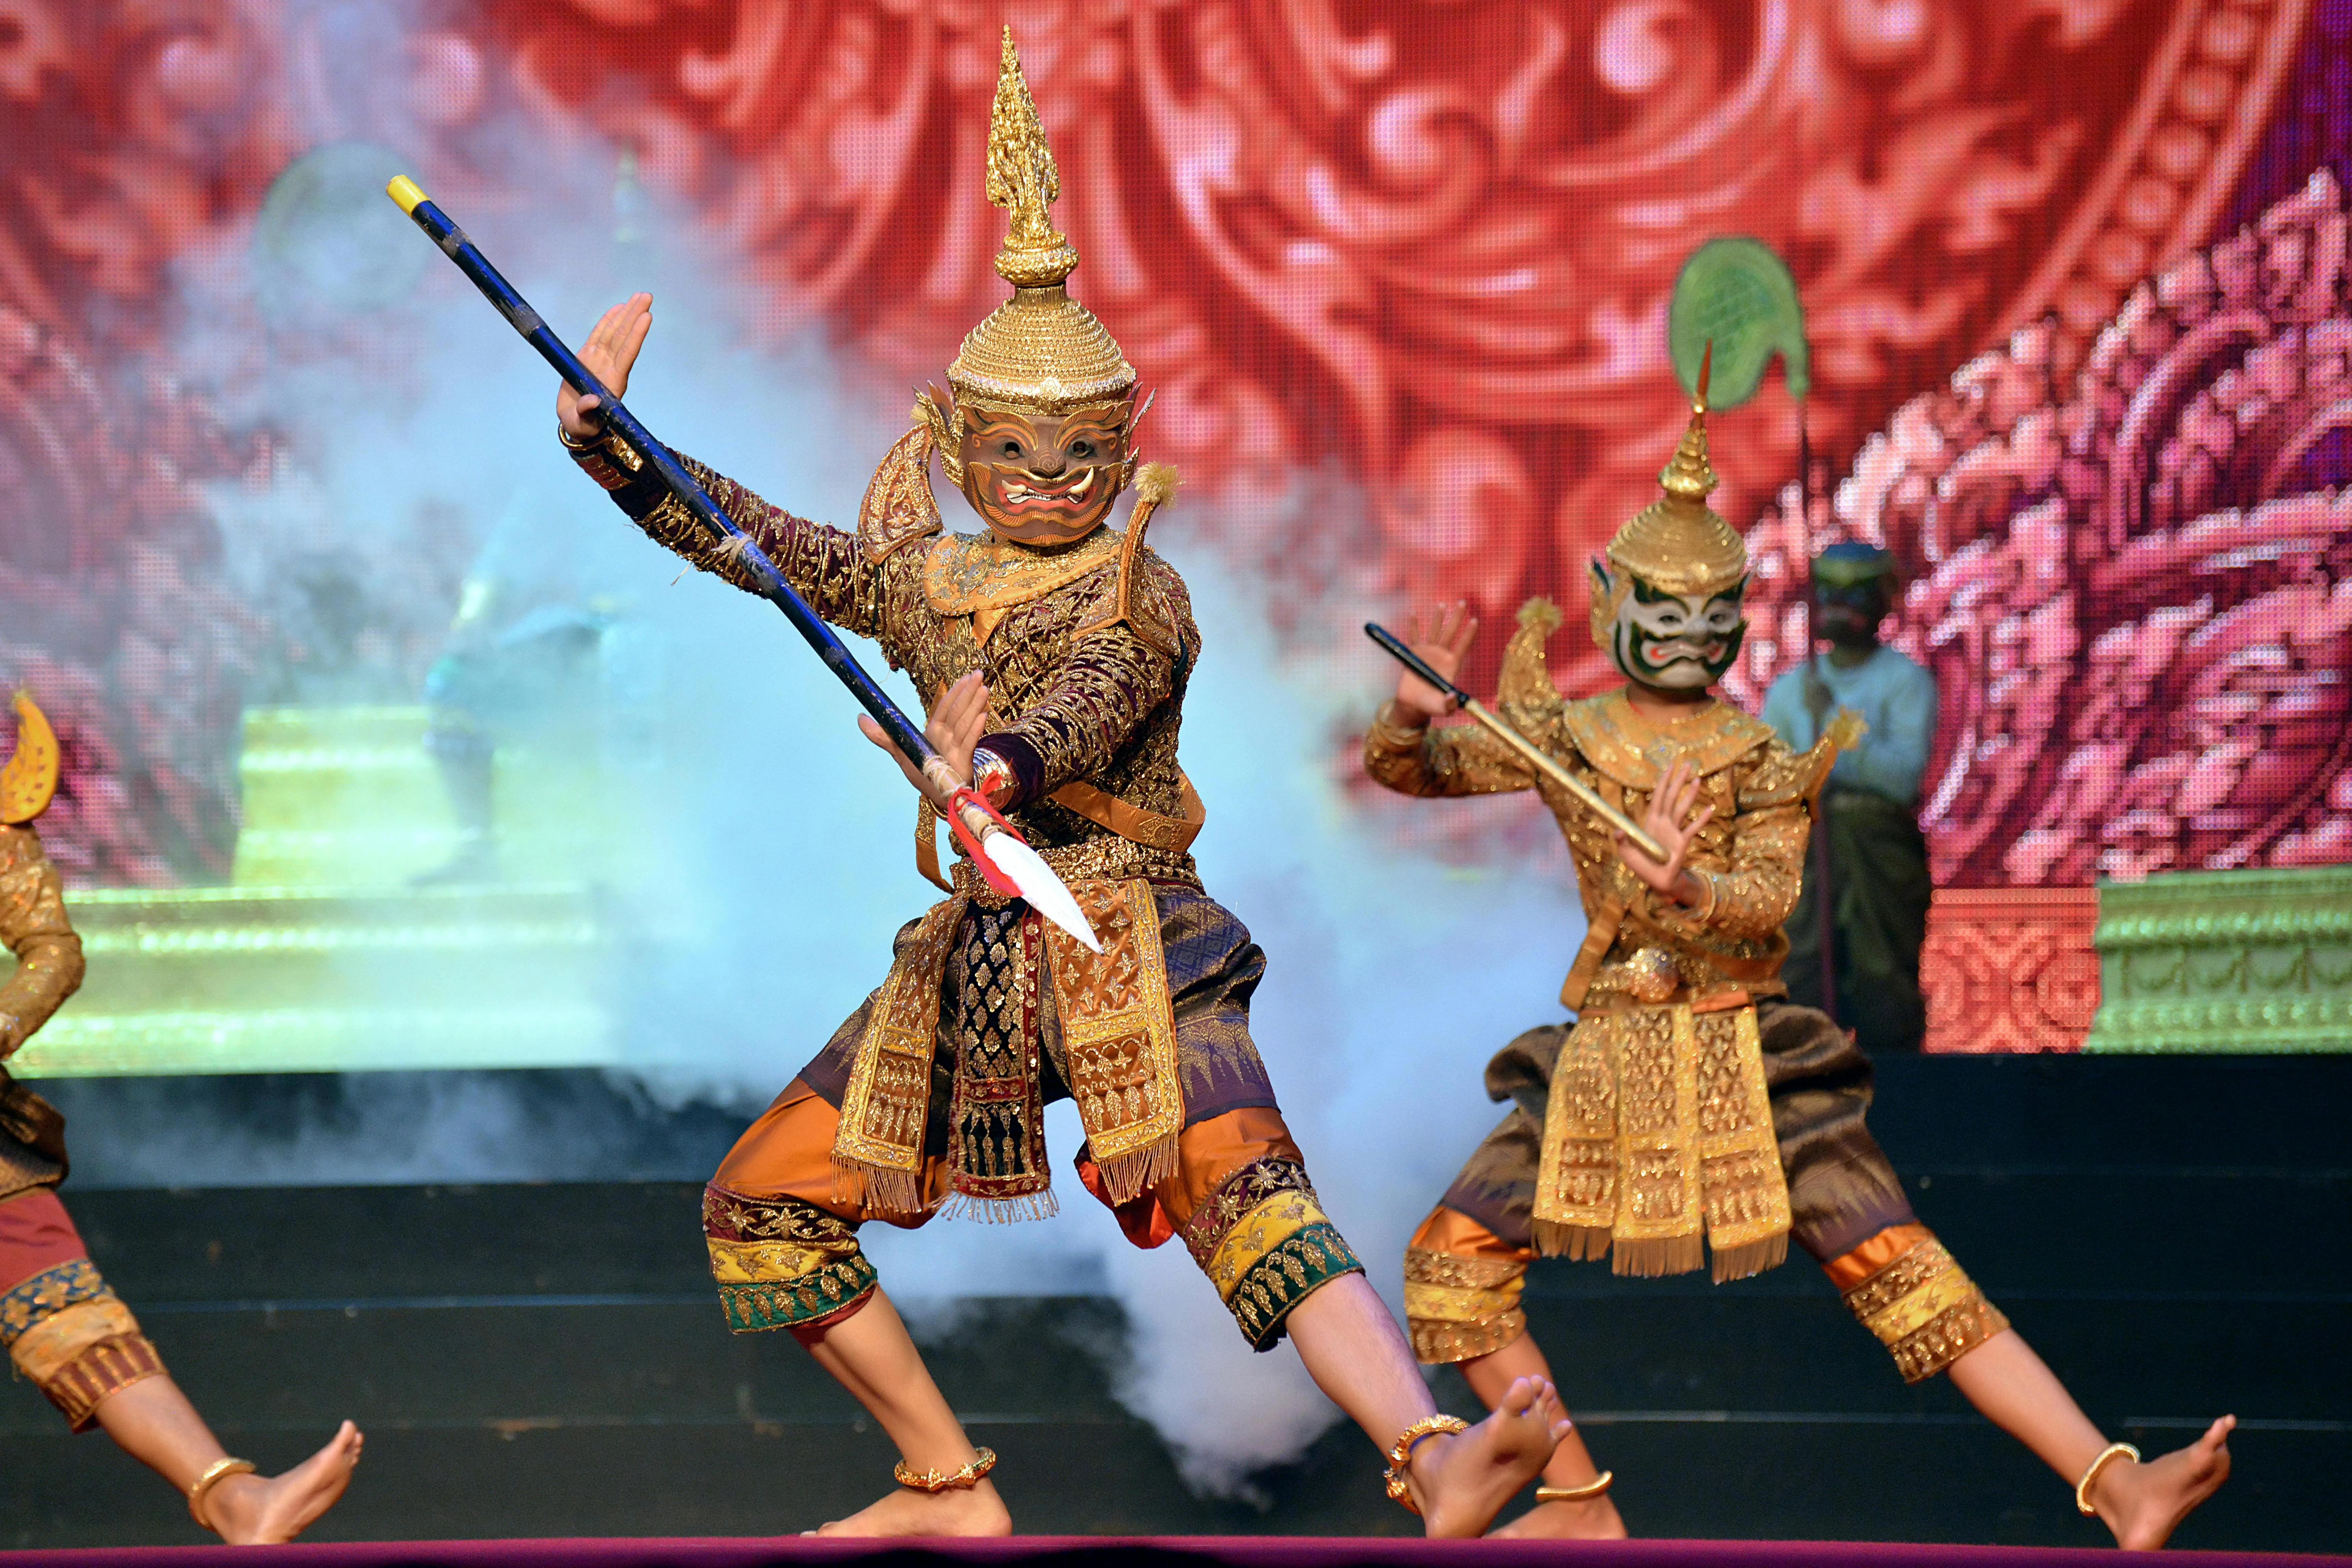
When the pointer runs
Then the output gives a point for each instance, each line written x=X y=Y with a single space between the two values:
x=898 y=507
x=44 y=1349
x=103 y=1369
x=1636 y=752
x=983 y=577
x=1925 y=1309
x=1658 y=1130
x=1257 y=1233
x=1457 y=1307
x=1109 y=858
x=1118 y=1035
x=888 y=1100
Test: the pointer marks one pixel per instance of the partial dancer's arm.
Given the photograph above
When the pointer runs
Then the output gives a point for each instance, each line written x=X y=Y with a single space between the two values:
x=1402 y=751
x=1109 y=685
x=825 y=565
x=34 y=927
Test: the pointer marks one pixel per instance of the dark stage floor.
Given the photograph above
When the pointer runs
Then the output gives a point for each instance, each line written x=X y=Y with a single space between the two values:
x=545 y=1361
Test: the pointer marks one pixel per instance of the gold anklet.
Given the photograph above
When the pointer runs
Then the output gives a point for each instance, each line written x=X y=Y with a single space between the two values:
x=982 y=1461
x=1400 y=1453
x=201 y=1487
x=1585 y=1493
x=2112 y=1451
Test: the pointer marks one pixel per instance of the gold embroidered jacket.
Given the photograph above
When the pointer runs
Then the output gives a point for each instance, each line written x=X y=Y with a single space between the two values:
x=1087 y=650
x=1640 y=948
x=34 y=927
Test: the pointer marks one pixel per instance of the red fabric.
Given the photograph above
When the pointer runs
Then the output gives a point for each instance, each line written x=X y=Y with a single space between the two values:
x=1174 y=1551
x=1140 y=1218
x=35 y=1233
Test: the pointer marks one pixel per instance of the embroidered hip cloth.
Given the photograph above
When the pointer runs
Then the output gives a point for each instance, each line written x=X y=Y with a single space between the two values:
x=1658 y=1134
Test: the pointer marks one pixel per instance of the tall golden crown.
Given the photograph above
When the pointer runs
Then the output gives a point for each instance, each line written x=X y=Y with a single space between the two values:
x=1677 y=543
x=1040 y=349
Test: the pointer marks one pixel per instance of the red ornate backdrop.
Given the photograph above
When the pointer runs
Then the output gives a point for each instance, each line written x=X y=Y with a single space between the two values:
x=1418 y=249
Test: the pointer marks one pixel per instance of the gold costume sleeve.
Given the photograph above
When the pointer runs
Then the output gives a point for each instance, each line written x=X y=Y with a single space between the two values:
x=825 y=565
x=1098 y=699
x=1434 y=761
x=33 y=925
x=1768 y=861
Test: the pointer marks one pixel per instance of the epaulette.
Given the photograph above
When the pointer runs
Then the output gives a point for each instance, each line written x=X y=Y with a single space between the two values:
x=1135 y=598
x=1526 y=693
x=1788 y=776
x=30 y=779
x=898 y=508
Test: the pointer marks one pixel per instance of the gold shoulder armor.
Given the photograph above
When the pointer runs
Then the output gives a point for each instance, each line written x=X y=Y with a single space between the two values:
x=1785 y=776
x=31 y=776
x=1135 y=598
x=898 y=508
x=1525 y=692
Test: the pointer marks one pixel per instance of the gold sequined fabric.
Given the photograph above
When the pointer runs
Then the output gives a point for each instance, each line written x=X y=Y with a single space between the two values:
x=1925 y=1309
x=1099 y=703
x=1457 y=1307
x=1657 y=1135
x=34 y=927
x=1752 y=850
x=782 y=1262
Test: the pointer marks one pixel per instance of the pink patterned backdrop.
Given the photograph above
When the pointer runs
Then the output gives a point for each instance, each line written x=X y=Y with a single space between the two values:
x=2075 y=274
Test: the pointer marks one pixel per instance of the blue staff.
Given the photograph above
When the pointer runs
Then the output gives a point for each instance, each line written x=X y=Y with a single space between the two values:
x=997 y=845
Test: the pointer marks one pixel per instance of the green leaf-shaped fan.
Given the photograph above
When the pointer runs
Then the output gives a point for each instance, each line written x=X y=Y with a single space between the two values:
x=1738 y=293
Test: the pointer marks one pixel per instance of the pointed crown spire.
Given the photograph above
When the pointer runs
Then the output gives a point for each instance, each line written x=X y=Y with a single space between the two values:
x=1677 y=543
x=1040 y=349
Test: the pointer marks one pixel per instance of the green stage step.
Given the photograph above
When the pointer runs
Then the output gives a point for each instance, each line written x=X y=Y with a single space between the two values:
x=322 y=957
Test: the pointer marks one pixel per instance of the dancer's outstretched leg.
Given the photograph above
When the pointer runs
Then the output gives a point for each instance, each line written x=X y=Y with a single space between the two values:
x=1358 y=1357
x=871 y=1354
x=2142 y=1503
x=153 y=1423
x=1490 y=1377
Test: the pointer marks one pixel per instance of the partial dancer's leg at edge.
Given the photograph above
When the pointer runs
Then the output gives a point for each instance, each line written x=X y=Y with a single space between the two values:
x=1571 y=1467
x=151 y=1421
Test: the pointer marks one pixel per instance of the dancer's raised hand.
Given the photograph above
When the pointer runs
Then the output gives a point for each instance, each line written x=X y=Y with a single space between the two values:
x=1676 y=826
x=954 y=726
x=611 y=350
x=1441 y=637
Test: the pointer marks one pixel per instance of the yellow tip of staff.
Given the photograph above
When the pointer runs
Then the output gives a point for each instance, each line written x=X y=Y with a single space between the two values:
x=405 y=191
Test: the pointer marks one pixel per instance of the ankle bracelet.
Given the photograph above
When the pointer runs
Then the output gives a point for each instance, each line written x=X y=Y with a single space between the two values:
x=2107 y=1456
x=1400 y=1453
x=1594 y=1487
x=201 y=1487
x=982 y=1461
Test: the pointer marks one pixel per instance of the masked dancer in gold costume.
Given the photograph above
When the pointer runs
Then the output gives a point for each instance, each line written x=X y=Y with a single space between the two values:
x=1690 y=1108
x=1054 y=652
x=64 y=1328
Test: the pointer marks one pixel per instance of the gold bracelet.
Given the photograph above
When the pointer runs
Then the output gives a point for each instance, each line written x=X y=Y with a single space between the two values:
x=982 y=1461
x=214 y=1473
x=1400 y=1453
x=2083 y=1488
x=1585 y=1493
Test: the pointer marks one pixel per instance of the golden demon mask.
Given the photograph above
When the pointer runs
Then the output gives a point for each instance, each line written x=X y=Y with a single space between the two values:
x=1039 y=436
x=1670 y=613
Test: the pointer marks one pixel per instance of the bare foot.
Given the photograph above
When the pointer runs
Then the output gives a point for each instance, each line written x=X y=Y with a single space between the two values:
x=1594 y=1521
x=977 y=1511
x=1462 y=1483
x=2145 y=1503
x=251 y=1509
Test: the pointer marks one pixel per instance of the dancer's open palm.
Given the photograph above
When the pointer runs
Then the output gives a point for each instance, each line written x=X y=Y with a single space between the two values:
x=1671 y=821
x=611 y=352
x=1442 y=637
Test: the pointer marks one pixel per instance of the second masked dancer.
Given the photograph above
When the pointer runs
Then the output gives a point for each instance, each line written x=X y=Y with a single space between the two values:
x=1691 y=1109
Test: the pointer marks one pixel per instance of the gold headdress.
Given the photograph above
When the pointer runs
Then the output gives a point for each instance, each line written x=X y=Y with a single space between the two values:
x=1677 y=543
x=1040 y=349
